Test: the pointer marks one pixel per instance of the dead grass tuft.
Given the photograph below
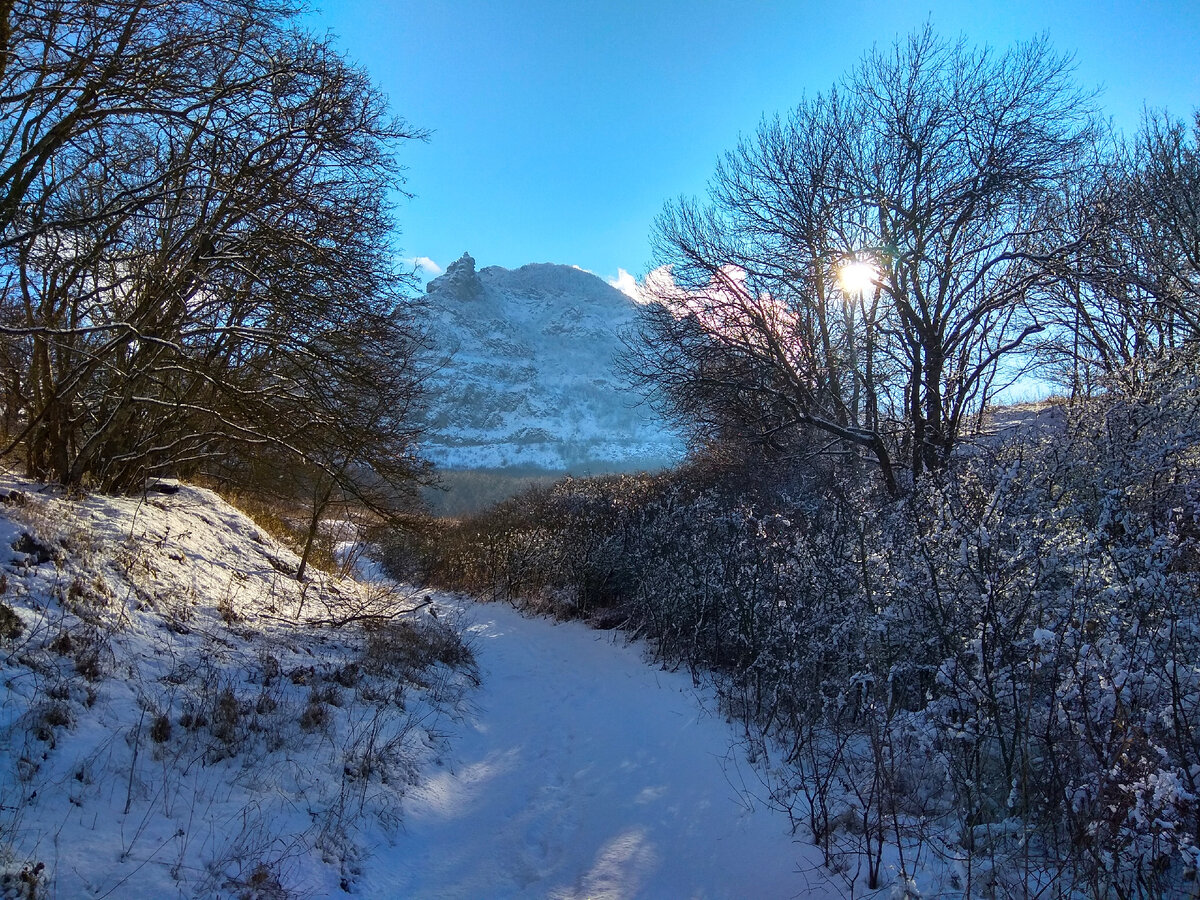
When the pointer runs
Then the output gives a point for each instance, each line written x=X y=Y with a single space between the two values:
x=400 y=648
x=10 y=624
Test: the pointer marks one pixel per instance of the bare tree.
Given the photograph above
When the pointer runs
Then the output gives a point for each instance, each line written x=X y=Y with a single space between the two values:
x=1167 y=194
x=197 y=254
x=932 y=163
x=1132 y=290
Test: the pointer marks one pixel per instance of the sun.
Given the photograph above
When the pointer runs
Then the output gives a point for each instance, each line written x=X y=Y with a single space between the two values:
x=858 y=277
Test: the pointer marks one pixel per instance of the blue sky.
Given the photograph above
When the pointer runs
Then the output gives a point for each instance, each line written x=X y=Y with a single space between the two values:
x=560 y=127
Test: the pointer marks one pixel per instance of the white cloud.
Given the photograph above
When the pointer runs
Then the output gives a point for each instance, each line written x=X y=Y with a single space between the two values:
x=657 y=286
x=725 y=305
x=627 y=285
x=426 y=267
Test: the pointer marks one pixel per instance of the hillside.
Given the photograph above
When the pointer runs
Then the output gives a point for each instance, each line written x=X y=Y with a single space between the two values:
x=182 y=718
x=526 y=373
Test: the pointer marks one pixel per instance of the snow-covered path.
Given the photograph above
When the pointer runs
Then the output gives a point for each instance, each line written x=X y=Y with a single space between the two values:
x=583 y=772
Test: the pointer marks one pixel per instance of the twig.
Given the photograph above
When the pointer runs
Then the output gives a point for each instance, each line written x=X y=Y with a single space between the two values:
x=348 y=620
x=137 y=739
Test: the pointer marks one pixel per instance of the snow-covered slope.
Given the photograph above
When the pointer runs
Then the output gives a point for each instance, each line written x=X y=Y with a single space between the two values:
x=527 y=377
x=180 y=717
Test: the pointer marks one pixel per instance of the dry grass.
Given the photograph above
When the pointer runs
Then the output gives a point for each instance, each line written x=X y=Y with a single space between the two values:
x=286 y=522
x=10 y=624
x=402 y=648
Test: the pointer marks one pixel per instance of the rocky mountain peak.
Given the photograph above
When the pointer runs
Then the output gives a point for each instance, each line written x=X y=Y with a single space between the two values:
x=527 y=373
x=460 y=278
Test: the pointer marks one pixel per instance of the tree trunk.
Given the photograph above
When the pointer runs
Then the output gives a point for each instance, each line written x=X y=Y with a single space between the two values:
x=321 y=498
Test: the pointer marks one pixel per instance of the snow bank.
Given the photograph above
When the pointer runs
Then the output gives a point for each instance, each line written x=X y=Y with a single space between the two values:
x=181 y=717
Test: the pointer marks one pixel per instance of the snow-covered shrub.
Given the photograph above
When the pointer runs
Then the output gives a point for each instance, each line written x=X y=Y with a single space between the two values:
x=1001 y=668
x=1054 y=586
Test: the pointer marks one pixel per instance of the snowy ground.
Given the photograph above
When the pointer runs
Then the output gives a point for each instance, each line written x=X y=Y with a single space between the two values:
x=583 y=772
x=179 y=717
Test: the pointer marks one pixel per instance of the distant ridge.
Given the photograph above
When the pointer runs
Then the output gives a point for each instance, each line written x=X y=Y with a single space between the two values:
x=527 y=376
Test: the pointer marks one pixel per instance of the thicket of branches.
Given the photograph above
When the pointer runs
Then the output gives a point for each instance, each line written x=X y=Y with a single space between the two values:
x=197 y=251
x=993 y=226
x=987 y=656
x=1129 y=290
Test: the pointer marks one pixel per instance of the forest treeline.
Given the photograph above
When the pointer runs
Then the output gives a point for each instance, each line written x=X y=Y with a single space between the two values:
x=962 y=643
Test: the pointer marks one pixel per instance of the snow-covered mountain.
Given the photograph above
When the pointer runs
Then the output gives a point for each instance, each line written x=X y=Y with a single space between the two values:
x=527 y=376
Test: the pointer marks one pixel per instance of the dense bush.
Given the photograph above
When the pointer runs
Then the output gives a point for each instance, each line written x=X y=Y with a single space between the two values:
x=1002 y=666
x=564 y=545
